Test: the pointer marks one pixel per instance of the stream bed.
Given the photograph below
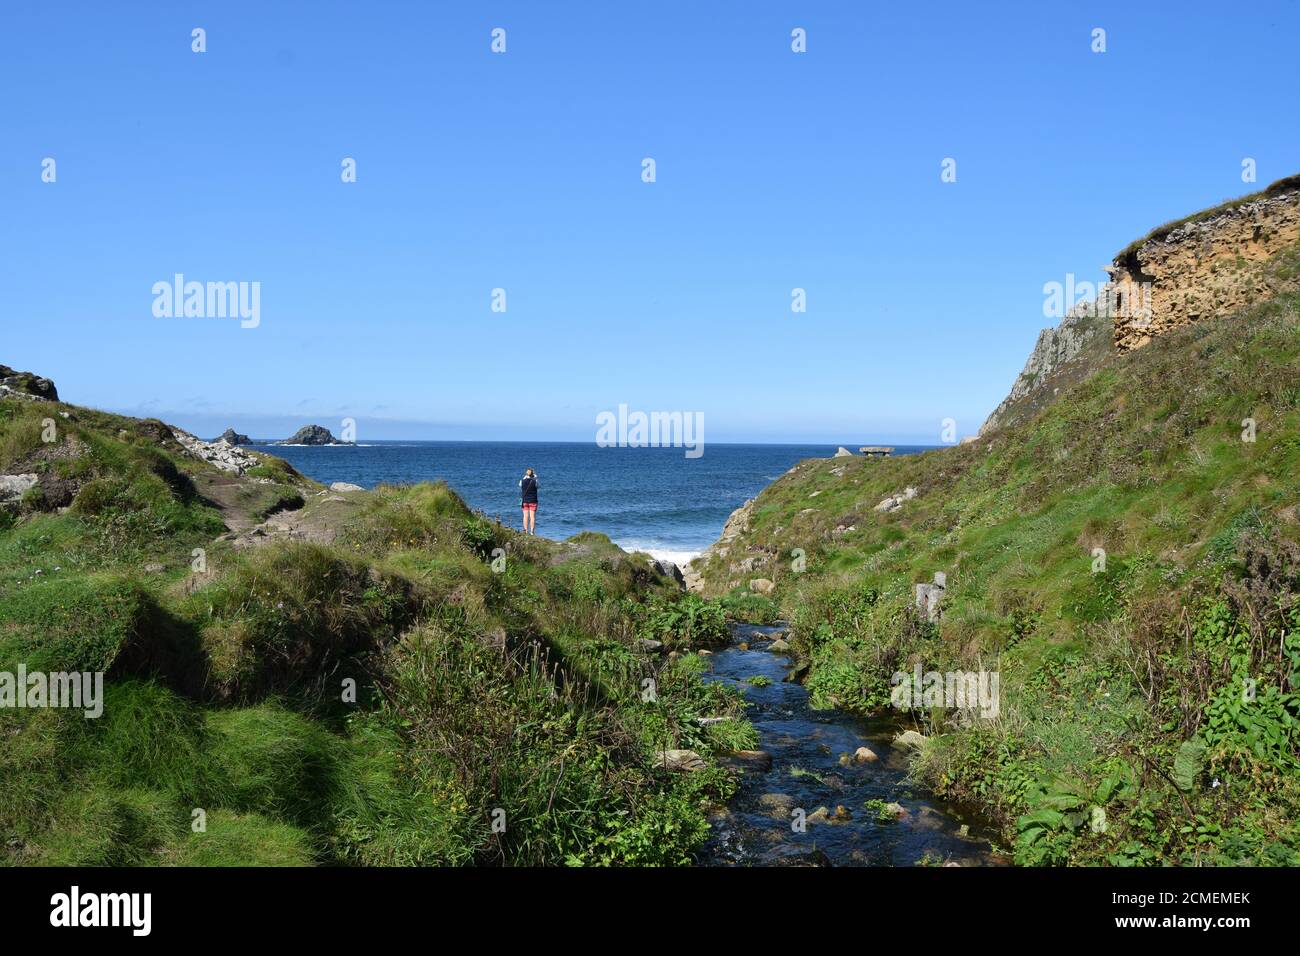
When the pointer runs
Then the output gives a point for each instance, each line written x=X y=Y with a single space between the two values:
x=761 y=825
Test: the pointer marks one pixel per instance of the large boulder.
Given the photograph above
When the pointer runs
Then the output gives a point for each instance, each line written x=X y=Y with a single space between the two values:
x=232 y=437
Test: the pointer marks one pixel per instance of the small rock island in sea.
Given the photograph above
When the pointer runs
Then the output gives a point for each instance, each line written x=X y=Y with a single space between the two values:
x=232 y=437
x=313 y=435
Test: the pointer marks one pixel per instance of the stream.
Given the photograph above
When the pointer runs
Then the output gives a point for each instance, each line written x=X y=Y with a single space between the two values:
x=805 y=773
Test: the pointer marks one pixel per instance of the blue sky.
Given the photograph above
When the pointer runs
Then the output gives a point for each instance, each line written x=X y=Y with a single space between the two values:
x=522 y=171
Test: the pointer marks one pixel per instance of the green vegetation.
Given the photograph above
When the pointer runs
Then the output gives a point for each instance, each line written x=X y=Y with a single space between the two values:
x=1125 y=561
x=400 y=682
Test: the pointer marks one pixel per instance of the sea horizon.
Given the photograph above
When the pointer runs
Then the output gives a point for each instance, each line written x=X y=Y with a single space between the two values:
x=654 y=500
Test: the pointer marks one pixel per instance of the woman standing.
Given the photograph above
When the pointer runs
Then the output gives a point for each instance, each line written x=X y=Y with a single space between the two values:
x=528 y=500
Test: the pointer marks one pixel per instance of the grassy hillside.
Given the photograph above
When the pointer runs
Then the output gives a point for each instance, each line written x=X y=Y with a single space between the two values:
x=296 y=676
x=1128 y=733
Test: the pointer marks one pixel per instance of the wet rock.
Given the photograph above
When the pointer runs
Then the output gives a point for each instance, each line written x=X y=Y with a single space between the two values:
x=896 y=810
x=796 y=674
x=743 y=645
x=865 y=755
x=683 y=760
x=840 y=814
x=779 y=804
x=789 y=854
x=779 y=647
x=751 y=761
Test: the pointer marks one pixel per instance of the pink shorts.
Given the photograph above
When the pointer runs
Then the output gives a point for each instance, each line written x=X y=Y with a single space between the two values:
x=530 y=505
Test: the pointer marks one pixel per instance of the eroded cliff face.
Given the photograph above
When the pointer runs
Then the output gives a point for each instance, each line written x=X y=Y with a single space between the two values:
x=1207 y=266
x=1204 y=268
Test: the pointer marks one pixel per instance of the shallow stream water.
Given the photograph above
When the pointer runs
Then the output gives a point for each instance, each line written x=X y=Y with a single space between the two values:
x=806 y=773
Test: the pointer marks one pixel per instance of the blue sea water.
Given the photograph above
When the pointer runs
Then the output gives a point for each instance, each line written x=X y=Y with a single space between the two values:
x=648 y=499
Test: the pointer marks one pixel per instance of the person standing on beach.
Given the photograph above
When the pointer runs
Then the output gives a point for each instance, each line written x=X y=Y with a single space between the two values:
x=528 y=500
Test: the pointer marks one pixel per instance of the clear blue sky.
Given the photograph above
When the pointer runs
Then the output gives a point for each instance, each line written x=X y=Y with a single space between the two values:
x=523 y=171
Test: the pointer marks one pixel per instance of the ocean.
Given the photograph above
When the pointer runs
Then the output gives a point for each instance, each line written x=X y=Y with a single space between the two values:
x=646 y=499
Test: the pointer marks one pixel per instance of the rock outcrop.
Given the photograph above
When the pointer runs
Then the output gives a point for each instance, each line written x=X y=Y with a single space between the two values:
x=232 y=437
x=1078 y=344
x=1205 y=266
x=313 y=435
x=15 y=384
x=13 y=487
x=737 y=524
x=222 y=454
x=669 y=570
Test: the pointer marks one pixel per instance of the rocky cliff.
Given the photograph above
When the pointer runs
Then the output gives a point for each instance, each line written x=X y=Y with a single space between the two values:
x=1206 y=266
x=1072 y=350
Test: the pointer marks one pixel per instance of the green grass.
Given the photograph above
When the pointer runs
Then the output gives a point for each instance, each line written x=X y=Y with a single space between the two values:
x=400 y=696
x=1145 y=460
